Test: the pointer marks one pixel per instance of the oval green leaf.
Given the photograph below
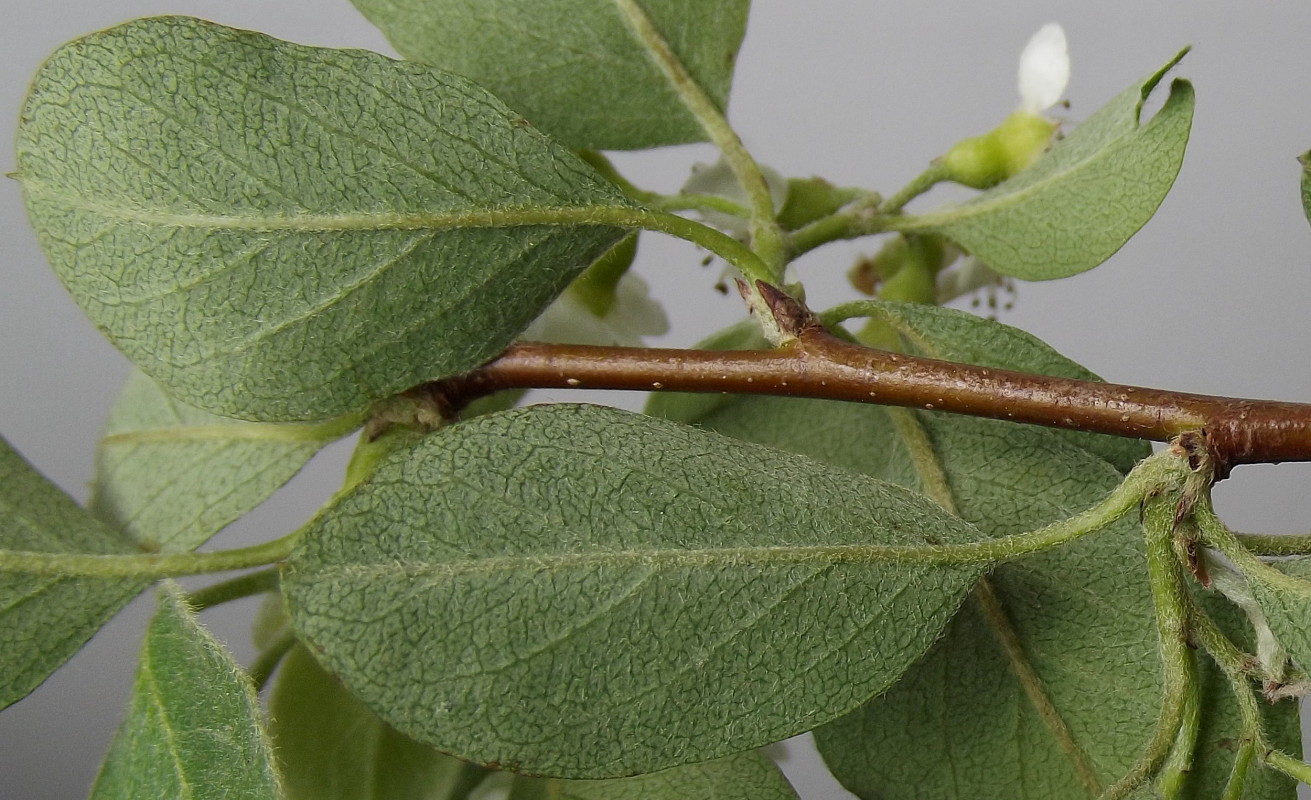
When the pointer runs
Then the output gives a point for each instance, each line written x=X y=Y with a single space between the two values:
x=44 y=620
x=194 y=728
x=578 y=69
x=170 y=476
x=283 y=233
x=583 y=592
x=1084 y=198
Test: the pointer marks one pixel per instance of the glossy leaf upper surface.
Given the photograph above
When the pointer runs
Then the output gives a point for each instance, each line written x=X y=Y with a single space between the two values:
x=44 y=620
x=169 y=476
x=1078 y=204
x=577 y=68
x=194 y=728
x=279 y=232
x=583 y=592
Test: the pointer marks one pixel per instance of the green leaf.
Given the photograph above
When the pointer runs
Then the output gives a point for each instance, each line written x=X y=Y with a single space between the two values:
x=281 y=233
x=583 y=592
x=170 y=476
x=194 y=726
x=744 y=776
x=330 y=747
x=1081 y=201
x=578 y=69
x=1000 y=707
x=45 y=620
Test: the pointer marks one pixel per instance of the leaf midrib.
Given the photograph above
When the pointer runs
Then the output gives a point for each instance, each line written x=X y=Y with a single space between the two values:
x=505 y=216
x=655 y=558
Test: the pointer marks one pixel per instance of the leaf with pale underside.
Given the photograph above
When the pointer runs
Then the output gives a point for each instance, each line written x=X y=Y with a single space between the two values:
x=598 y=593
x=1078 y=204
x=578 y=69
x=194 y=727
x=170 y=476
x=286 y=233
x=44 y=620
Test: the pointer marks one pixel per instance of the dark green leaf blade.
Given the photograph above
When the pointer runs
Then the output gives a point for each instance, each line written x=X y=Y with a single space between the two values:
x=581 y=578
x=194 y=728
x=330 y=747
x=1085 y=198
x=169 y=476
x=284 y=233
x=45 y=620
x=576 y=68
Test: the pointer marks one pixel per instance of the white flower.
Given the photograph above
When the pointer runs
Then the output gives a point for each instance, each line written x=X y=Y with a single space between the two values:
x=1044 y=69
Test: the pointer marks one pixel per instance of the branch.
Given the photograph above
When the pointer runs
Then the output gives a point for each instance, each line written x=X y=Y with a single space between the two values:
x=817 y=364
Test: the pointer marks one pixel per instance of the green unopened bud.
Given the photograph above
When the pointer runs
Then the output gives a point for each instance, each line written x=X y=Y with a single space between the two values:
x=984 y=161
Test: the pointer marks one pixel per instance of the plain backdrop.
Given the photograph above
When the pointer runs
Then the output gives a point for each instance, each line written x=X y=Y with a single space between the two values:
x=1210 y=297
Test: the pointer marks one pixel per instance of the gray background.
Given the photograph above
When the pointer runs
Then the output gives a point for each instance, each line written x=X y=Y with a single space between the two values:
x=1210 y=297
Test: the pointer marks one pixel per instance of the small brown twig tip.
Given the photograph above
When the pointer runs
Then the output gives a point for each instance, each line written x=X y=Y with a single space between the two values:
x=791 y=316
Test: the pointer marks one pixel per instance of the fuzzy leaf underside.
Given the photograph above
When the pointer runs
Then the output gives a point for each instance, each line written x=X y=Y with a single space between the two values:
x=1078 y=204
x=689 y=596
x=45 y=620
x=170 y=476
x=194 y=727
x=576 y=68
x=285 y=233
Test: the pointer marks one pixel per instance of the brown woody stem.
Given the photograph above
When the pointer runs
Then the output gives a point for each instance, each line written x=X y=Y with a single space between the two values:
x=818 y=364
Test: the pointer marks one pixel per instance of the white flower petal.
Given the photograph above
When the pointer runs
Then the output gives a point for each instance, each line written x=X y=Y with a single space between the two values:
x=1044 y=69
